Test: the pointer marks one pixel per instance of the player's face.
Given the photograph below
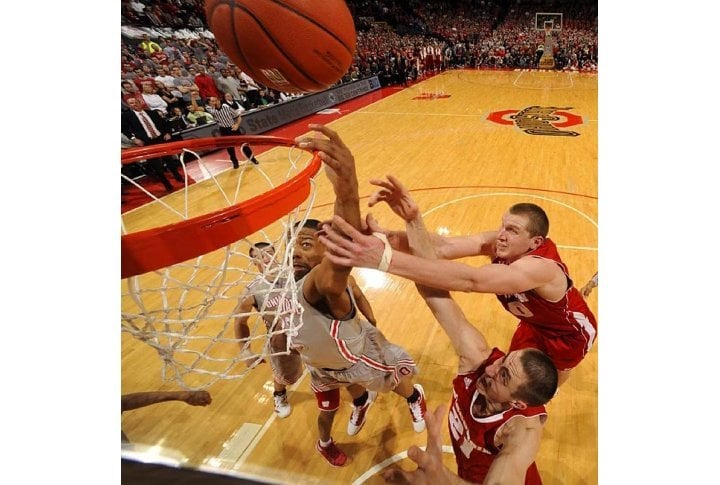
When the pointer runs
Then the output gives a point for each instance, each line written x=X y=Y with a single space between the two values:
x=502 y=378
x=309 y=252
x=513 y=239
x=263 y=257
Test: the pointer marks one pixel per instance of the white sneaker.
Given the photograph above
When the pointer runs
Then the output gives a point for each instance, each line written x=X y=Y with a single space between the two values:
x=418 y=410
x=359 y=413
x=282 y=407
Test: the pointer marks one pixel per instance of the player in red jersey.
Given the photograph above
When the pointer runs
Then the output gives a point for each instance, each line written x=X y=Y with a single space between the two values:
x=497 y=411
x=526 y=273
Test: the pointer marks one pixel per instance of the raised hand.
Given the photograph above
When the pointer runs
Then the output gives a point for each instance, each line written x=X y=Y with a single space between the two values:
x=430 y=463
x=396 y=196
x=338 y=161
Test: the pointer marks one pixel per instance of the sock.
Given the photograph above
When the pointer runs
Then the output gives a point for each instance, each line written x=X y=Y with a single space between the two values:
x=279 y=393
x=414 y=396
x=327 y=443
x=361 y=400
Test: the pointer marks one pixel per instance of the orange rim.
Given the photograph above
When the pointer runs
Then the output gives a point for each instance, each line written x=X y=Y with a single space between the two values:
x=156 y=248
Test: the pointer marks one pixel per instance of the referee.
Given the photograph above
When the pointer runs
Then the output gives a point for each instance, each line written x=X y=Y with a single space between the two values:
x=228 y=119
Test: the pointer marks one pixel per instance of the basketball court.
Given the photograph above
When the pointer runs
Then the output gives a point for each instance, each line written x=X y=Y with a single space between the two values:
x=468 y=144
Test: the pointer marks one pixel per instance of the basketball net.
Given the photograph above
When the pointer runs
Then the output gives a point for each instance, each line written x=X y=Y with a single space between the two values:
x=187 y=311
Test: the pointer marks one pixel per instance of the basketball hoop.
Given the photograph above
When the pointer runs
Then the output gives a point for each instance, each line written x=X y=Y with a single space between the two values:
x=183 y=278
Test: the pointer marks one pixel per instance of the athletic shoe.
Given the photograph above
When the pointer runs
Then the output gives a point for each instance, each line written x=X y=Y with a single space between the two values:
x=358 y=415
x=282 y=407
x=247 y=151
x=418 y=410
x=332 y=453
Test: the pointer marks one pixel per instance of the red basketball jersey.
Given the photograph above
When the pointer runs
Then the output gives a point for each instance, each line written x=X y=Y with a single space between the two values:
x=569 y=315
x=473 y=439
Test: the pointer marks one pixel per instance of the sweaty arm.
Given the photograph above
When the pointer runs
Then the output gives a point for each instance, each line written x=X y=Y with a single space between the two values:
x=329 y=280
x=520 y=439
x=469 y=343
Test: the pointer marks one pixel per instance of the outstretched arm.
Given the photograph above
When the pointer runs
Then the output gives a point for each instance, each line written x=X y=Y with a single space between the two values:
x=365 y=251
x=141 y=399
x=430 y=470
x=469 y=343
x=329 y=280
x=398 y=198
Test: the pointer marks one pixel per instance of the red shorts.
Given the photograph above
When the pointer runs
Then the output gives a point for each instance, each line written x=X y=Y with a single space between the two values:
x=566 y=352
x=328 y=400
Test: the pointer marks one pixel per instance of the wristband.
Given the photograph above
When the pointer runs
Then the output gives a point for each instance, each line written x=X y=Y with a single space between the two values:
x=386 y=259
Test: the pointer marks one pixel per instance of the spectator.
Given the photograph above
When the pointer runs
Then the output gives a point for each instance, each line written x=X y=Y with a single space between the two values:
x=230 y=85
x=206 y=84
x=143 y=75
x=197 y=114
x=153 y=100
x=149 y=46
x=146 y=127
x=129 y=90
x=185 y=84
x=172 y=98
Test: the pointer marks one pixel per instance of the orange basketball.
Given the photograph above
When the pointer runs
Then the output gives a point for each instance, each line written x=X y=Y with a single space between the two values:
x=289 y=45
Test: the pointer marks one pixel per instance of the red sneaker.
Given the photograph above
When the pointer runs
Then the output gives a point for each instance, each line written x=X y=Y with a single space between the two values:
x=332 y=453
x=418 y=410
x=359 y=413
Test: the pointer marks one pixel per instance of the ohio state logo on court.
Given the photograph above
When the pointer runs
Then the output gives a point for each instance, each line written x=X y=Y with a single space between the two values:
x=538 y=120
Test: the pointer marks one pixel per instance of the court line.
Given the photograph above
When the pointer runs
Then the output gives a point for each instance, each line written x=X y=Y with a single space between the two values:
x=400 y=113
x=582 y=214
x=251 y=447
x=572 y=84
x=393 y=459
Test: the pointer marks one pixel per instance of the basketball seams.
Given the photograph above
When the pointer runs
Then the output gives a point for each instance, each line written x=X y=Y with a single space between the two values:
x=246 y=65
x=314 y=22
x=232 y=5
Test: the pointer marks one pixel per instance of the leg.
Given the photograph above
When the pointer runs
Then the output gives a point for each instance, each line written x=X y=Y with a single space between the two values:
x=173 y=164
x=233 y=157
x=155 y=167
x=362 y=400
x=325 y=422
x=286 y=369
x=328 y=403
x=415 y=397
x=230 y=150
x=247 y=151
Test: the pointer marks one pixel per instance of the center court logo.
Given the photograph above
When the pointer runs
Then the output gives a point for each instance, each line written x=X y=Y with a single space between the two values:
x=539 y=120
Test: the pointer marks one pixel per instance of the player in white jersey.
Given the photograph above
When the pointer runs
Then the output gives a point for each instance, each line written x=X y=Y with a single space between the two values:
x=339 y=348
x=286 y=368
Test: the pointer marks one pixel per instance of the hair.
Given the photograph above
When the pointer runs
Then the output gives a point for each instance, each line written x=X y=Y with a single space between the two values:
x=542 y=378
x=538 y=223
x=310 y=223
x=257 y=246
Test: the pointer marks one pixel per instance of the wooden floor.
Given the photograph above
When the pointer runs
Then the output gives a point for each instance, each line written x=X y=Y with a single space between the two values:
x=465 y=171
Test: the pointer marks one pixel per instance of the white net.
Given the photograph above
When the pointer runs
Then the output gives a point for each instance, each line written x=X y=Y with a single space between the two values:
x=191 y=312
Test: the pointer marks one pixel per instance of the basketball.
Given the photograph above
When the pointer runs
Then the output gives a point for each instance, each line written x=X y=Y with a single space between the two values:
x=294 y=46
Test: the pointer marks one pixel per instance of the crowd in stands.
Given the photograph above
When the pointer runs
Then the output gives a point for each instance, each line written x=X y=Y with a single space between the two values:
x=169 y=55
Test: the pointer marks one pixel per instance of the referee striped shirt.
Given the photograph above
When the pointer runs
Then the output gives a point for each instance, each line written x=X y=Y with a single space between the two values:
x=225 y=116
